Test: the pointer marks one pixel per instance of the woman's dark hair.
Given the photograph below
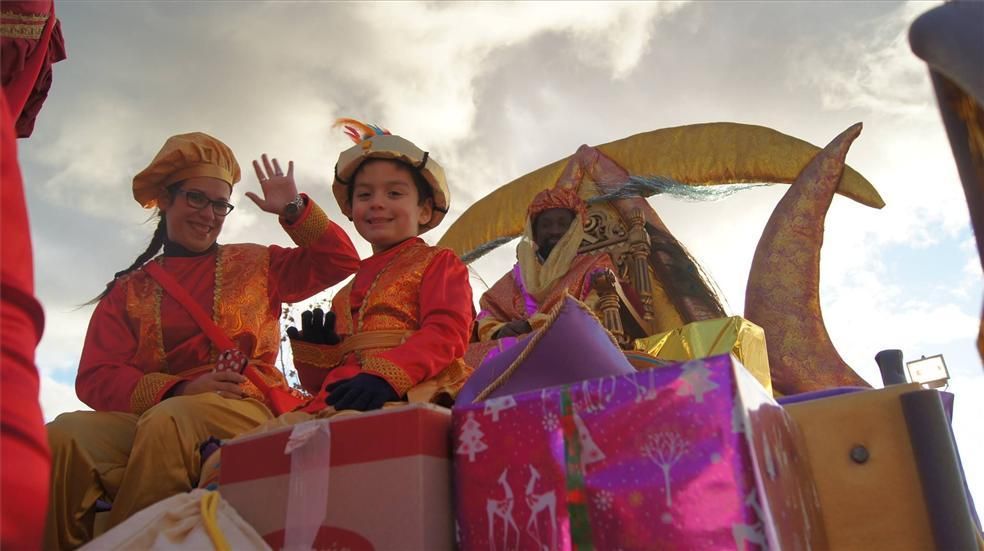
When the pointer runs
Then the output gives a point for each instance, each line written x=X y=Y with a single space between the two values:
x=424 y=189
x=156 y=243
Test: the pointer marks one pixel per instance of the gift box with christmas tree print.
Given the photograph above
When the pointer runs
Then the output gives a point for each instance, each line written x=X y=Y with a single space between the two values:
x=693 y=456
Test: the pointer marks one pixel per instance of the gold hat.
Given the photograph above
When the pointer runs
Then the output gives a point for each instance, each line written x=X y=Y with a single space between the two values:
x=373 y=142
x=185 y=156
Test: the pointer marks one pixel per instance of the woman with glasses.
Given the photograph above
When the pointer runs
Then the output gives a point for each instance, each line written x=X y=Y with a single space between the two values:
x=152 y=373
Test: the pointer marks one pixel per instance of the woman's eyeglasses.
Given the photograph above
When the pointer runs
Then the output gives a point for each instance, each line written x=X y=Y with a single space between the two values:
x=198 y=200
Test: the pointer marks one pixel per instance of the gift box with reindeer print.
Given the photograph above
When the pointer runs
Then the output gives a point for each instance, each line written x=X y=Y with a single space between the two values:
x=693 y=456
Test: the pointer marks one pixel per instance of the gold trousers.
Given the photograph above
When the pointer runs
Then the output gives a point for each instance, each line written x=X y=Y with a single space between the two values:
x=133 y=461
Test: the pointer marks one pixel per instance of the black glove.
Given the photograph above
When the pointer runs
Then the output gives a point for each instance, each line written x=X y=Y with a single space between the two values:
x=317 y=327
x=364 y=392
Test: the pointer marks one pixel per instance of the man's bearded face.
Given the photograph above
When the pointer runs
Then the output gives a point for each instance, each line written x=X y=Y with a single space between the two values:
x=548 y=227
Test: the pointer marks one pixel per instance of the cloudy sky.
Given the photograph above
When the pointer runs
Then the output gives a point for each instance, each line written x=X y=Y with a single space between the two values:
x=495 y=91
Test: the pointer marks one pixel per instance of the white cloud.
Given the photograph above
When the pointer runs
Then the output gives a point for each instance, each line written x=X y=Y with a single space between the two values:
x=969 y=289
x=57 y=398
x=90 y=165
x=416 y=64
x=868 y=316
x=972 y=269
x=62 y=341
x=877 y=70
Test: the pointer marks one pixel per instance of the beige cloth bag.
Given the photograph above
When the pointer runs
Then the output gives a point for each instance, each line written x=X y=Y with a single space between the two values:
x=195 y=520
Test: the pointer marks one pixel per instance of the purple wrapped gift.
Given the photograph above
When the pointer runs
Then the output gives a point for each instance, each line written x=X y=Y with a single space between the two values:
x=572 y=346
x=691 y=456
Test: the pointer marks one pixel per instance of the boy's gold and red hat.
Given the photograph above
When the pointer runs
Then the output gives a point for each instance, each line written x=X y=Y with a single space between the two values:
x=373 y=142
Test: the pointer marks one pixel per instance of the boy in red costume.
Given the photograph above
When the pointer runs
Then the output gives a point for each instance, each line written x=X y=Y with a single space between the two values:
x=398 y=330
x=405 y=320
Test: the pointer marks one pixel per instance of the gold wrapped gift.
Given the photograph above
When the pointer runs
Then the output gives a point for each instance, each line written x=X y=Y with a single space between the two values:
x=701 y=339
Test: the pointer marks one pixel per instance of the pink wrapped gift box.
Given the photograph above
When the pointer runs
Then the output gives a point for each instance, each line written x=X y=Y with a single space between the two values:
x=388 y=485
x=692 y=456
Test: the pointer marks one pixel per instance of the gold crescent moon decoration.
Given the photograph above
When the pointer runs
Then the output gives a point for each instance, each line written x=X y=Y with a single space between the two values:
x=699 y=155
x=783 y=292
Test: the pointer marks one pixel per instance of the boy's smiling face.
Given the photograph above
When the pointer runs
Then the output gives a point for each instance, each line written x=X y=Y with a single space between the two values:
x=386 y=208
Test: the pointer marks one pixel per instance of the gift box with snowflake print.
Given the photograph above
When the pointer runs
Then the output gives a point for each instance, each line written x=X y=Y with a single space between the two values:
x=693 y=456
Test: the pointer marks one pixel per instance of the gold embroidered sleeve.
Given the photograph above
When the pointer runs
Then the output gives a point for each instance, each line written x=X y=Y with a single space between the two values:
x=149 y=390
x=310 y=227
x=22 y=25
x=394 y=374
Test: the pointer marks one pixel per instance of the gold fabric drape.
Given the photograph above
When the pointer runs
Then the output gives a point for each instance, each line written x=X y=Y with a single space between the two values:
x=701 y=339
x=698 y=154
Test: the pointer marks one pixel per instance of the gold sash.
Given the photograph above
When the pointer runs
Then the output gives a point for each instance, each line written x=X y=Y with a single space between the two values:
x=440 y=389
x=328 y=356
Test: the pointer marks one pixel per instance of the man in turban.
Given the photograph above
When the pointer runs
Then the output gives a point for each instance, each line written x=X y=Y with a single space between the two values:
x=548 y=267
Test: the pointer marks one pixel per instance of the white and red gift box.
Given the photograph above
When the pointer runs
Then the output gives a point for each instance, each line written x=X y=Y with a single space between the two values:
x=378 y=480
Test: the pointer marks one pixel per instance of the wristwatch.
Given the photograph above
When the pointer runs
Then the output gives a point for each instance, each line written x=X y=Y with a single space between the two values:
x=294 y=207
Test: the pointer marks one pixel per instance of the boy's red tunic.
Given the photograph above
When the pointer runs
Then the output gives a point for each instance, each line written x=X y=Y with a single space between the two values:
x=414 y=293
